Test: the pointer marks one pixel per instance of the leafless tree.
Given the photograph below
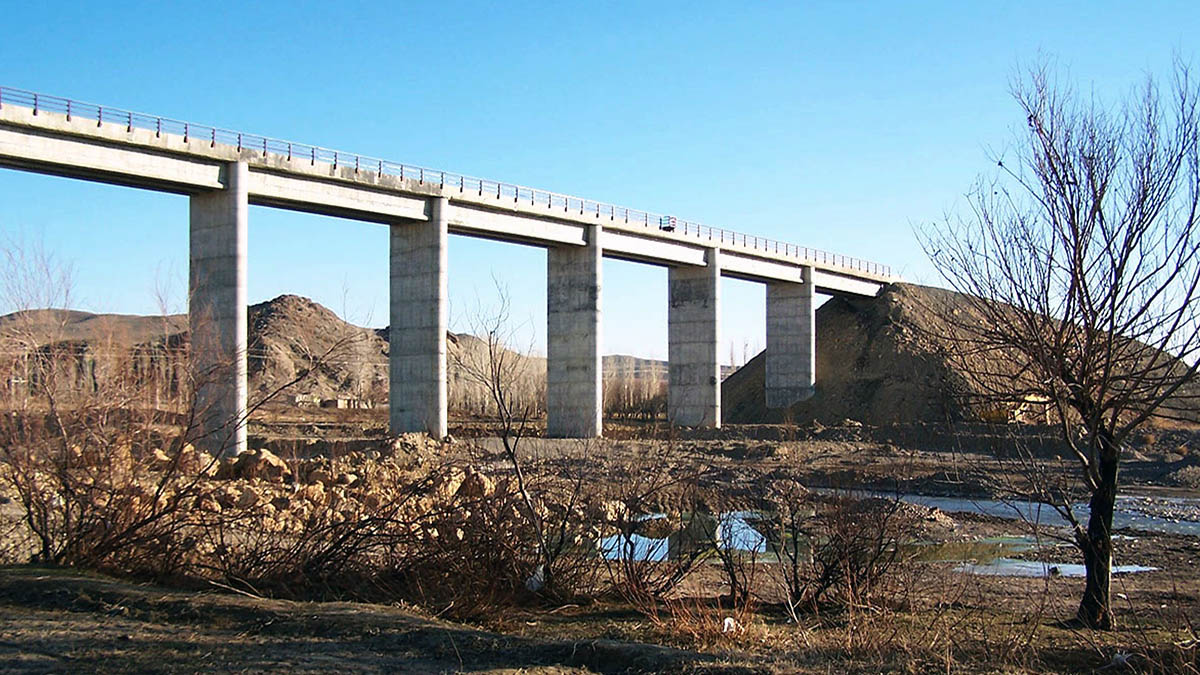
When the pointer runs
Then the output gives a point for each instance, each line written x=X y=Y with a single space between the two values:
x=1079 y=260
x=491 y=362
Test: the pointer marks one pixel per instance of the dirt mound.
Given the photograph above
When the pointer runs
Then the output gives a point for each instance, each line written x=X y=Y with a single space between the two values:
x=876 y=363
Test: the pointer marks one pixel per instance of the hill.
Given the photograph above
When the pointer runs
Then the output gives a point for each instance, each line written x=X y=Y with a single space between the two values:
x=287 y=335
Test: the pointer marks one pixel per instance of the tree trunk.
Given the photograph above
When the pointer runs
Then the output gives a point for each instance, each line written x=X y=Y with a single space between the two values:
x=1095 y=610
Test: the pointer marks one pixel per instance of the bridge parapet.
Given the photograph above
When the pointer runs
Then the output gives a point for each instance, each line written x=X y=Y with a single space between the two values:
x=414 y=179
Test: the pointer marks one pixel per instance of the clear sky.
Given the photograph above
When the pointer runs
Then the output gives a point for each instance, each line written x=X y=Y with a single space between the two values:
x=836 y=125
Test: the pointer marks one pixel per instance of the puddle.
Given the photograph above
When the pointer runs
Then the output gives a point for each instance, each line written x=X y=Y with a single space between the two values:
x=635 y=547
x=735 y=532
x=732 y=531
x=1009 y=567
x=983 y=550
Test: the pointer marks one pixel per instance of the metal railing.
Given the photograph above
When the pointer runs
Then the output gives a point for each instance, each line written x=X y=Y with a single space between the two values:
x=200 y=133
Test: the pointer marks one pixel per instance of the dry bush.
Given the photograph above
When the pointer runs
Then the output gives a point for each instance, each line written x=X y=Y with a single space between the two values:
x=99 y=444
x=838 y=550
x=727 y=532
x=324 y=535
x=102 y=479
x=698 y=623
x=640 y=485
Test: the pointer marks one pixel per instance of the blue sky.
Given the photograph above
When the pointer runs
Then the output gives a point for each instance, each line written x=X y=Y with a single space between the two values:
x=836 y=125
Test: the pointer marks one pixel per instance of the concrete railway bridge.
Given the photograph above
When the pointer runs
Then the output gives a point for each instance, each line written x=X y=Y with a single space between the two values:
x=224 y=172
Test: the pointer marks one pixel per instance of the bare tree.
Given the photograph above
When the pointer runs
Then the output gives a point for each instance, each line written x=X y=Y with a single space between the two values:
x=506 y=374
x=1080 y=265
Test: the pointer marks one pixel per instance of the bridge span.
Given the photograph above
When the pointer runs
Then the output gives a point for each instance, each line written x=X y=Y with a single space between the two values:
x=224 y=172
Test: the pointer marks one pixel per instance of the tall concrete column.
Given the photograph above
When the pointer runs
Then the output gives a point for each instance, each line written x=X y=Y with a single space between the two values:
x=574 y=392
x=417 y=339
x=693 y=333
x=217 y=310
x=791 y=341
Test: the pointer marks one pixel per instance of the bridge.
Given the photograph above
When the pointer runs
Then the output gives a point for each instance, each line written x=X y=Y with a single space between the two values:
x=223 y=172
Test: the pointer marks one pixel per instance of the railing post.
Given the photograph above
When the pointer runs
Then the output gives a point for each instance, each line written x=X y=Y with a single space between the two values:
x=158 y=127
x=35 y=105
x=68 y=110
x=128 y=122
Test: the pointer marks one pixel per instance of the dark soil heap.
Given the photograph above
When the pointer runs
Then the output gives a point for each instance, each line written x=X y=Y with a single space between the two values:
x=876 y=363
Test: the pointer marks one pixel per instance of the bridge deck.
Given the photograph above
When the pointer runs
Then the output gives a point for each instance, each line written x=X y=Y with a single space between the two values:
x=62 y=137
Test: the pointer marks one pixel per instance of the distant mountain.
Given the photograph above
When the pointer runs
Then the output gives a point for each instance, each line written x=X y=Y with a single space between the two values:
x=287 y=336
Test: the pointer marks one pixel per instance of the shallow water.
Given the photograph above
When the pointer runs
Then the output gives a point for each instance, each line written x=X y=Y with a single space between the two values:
x=1009 y=567
x=1171 y=515
x=1174 y=515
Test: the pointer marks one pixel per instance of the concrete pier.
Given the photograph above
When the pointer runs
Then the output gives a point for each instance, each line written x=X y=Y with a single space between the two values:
x=217 y=310
x=574 y=392
x=693 y=333
x=791 y=341
x=417 y=351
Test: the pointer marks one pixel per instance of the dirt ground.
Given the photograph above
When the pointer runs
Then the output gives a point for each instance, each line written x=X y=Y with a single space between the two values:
x=54 y=620
x=60 y=620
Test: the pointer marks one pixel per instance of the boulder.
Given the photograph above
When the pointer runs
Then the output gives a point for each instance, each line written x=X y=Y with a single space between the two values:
x=261 y=463
x=319 y=477
x=313 y=494
x=476 y=485
x=446 y=485
x=248 y=498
